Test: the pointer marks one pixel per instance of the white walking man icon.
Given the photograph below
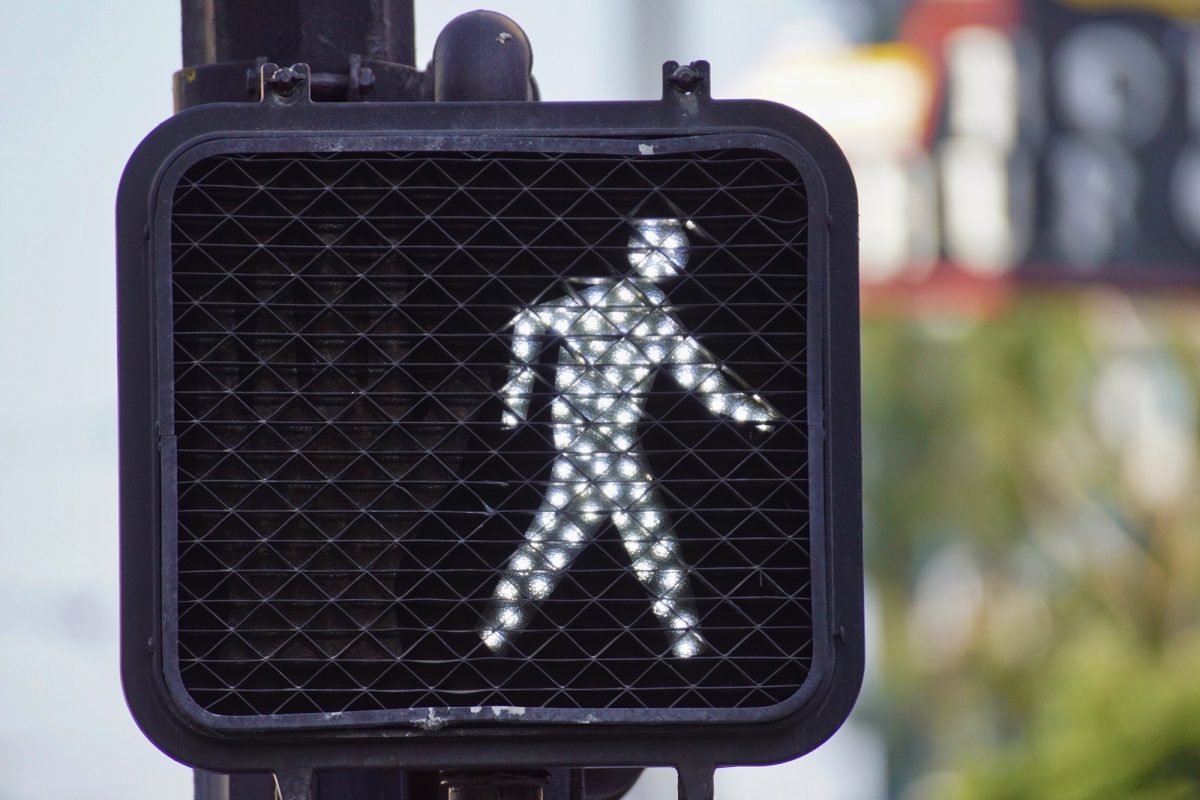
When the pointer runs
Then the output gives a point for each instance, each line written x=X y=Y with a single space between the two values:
x=614 y=335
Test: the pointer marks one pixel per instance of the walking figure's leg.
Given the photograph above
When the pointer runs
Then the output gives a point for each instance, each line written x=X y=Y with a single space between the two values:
x=560 y=529
x=657 y=562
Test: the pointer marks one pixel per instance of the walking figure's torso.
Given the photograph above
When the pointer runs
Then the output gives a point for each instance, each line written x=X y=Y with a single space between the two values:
x=612 y=338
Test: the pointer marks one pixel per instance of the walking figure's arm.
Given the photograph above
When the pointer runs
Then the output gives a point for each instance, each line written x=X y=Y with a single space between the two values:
x=694 y=367
x=527 y=333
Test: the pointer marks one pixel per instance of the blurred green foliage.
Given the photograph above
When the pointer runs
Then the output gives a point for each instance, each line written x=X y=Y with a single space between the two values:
x=1033 y=538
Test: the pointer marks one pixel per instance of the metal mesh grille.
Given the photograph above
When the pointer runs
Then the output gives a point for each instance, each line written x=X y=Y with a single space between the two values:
x=347 y=496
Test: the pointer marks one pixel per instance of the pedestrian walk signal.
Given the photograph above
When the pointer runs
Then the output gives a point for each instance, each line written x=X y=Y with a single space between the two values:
x=549 y=426
x=615 y=333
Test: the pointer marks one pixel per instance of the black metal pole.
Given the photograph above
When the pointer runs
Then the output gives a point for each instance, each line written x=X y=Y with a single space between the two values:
x=320 y=32
x=495 y=784
x=356 y=49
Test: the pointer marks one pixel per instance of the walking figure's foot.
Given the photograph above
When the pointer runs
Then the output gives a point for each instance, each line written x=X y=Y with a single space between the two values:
x=503 y=621
x=689 y=644
x=495 y=640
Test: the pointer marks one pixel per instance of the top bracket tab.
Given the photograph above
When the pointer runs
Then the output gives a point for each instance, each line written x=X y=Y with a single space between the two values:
x=285 y=86
x=688 y=83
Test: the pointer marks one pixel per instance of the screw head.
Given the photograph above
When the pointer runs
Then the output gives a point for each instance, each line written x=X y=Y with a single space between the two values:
x=685 y=78
x=285 y=80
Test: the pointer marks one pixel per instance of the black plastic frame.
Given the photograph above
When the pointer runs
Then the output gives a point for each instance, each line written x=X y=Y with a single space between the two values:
x=438 y=737
x=161 y=244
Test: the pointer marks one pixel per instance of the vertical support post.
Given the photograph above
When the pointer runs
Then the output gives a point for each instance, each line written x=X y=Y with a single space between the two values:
x=695 y=781
x=495 y=785
x=357 y=49
x=295 y=783
x=578 y=789
x=322 y=33
x=210 y=785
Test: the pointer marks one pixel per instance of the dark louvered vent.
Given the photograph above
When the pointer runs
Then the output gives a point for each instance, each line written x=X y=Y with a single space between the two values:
x=348 y=498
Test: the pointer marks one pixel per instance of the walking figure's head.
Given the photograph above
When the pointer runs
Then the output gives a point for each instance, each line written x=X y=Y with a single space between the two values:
x=658 y=248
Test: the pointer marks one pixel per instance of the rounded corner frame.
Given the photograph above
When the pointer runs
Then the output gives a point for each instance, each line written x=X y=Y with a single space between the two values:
x=179 y=727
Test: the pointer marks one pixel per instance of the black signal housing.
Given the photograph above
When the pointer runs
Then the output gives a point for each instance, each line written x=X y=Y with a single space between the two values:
x=312 y=307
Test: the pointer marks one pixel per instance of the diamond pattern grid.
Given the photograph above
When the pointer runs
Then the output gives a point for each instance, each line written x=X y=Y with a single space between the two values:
x=347 y=495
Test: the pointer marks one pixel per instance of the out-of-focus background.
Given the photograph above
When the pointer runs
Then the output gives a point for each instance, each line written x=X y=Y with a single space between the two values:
x=1029 y=173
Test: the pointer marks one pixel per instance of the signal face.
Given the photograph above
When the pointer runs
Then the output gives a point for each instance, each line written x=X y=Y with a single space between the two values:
x=469 y=429
x=355 y=339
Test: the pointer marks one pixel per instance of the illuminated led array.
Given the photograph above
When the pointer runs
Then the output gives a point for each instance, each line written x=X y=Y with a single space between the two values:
x=614 y=336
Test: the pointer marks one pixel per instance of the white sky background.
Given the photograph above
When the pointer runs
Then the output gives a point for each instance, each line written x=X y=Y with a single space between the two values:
x=84 y=82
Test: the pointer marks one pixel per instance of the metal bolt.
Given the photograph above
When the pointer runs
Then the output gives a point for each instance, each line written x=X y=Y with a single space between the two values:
x=685 y=78
x=285 y=80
